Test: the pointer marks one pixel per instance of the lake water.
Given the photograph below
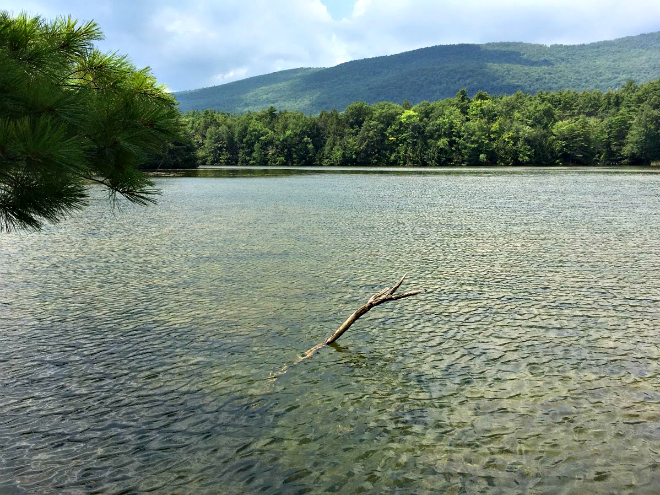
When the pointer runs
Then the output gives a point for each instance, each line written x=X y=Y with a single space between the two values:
x=140 y=349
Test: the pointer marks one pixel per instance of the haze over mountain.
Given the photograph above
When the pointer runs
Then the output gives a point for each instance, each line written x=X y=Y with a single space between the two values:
x=439 y=72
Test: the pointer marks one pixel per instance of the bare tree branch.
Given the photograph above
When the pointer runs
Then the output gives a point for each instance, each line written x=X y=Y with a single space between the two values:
x=385 y=295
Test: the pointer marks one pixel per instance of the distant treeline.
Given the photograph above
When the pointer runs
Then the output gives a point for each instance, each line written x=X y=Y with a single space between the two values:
x=549 y=128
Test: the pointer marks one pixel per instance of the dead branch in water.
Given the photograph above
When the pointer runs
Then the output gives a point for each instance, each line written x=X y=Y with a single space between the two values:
x=381 y=297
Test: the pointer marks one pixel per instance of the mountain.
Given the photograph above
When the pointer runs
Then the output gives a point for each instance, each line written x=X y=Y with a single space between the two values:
x=439 y=72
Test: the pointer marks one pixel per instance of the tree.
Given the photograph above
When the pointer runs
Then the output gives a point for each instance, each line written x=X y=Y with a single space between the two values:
x=407 y=132
x=643 y=141
x=178 y=155
x=578 y=140
x=71 y=115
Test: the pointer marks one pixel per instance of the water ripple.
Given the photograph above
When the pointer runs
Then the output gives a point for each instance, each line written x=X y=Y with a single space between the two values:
x=137 y=346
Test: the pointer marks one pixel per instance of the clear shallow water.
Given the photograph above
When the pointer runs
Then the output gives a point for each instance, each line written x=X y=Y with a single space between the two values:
x=137 y=348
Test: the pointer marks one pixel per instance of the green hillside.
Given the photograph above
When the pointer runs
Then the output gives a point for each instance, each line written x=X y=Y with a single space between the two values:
x=439 y=72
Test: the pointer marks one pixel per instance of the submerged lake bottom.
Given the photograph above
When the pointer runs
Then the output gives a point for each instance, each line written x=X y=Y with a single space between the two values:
x=141 y=349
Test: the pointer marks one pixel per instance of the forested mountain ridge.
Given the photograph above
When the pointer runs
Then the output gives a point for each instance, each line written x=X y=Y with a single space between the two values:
x=616 y=127
x=438 y=72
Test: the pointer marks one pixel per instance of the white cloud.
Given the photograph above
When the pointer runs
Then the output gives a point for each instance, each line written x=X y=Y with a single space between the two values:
x=232 y=75
x=361 y=6
x=395 y=25
x=206 y=42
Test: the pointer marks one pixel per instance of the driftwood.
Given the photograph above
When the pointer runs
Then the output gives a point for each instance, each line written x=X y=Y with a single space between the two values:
x=383 y=296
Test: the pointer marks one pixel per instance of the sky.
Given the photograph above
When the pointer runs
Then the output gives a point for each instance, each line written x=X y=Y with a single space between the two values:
x=199 y=43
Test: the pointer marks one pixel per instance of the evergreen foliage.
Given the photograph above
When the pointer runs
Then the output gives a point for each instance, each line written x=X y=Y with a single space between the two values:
x=439 y=72
x=70 y=114
x=550 y=128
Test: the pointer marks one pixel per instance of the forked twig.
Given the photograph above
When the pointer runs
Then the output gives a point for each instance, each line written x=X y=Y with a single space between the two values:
x=385 y=295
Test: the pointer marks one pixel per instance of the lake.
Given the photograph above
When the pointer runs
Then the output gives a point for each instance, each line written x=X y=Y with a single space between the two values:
x=141 y=349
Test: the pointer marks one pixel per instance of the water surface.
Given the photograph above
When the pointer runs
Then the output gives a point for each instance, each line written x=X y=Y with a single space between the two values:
x=138 y=347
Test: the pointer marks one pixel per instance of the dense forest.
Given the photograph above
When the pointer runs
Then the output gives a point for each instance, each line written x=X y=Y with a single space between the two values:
x=550 y=128
x=439 y=72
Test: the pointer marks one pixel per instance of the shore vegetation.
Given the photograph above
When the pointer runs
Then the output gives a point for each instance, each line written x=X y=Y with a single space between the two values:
x=618 y=127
